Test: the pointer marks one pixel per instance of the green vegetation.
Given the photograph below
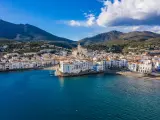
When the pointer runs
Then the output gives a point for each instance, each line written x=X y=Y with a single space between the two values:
x=10 y=46
x=126 y=46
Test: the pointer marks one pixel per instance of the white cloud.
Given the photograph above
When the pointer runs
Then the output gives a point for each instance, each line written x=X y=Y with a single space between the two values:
x=126 y=12
x=74 y=23
x=123 y=13
x=90 y=21
x=155 y=29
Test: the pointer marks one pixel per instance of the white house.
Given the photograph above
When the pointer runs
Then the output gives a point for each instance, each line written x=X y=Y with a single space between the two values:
x=156 y=65
x=2 y=66
x=117 y=63
x=99 y=66
x=8 y=66
x=133 y=66
x=145 y=68
x=16 y=65
x=123 y=63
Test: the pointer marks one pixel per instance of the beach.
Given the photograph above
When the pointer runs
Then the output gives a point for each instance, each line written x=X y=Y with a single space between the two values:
x=138 y=75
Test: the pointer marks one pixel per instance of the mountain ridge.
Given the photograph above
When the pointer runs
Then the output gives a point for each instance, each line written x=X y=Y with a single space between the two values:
x=117 y=35
x=27 y=32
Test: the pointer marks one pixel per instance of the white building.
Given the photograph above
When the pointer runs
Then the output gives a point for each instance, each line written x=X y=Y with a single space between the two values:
x=133 y=66
x=157 y=66
x=30 y=54
x=116 y=63
x=11 y=55
x=2 y=66
x=64 y=53
x=8 y=66
x=123 y=63
x=145 y=68
x=98 y=66
x=75 y=66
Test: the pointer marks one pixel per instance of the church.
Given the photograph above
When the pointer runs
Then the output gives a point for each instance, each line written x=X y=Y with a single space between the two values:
x=82 y=52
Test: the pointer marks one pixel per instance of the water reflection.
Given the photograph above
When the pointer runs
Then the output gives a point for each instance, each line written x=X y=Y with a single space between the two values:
x=61 y=81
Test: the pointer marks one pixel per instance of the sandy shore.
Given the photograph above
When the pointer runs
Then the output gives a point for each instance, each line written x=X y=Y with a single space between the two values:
x=130 y=74
x=138 y=75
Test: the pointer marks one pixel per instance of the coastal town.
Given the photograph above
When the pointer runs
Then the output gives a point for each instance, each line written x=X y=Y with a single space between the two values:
x=14 y=61
x=79 y=59
x=83 y=61
x=30 y=55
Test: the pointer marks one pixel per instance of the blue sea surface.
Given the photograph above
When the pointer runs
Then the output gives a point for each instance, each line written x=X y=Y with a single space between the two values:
x=38 y=95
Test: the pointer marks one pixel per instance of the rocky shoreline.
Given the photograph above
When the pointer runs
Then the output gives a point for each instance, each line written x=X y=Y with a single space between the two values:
x=60 y=74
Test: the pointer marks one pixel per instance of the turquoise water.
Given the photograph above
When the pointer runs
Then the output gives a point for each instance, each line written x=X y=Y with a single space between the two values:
x=36 y=95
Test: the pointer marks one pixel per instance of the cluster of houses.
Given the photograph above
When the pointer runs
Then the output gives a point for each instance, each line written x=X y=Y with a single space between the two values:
x=85 y=61
x=84 y=65
x=145 y=66
x=81 y=60
x=15 y=61
x=78 y=66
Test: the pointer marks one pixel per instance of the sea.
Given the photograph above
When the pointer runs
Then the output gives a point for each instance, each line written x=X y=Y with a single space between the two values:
x=39 y=95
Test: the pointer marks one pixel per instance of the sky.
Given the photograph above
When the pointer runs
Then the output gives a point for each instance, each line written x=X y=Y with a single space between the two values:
x=76 y=19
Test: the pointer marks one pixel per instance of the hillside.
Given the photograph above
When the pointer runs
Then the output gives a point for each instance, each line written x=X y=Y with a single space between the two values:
x=137 y=35
x=127 y=46
x=103 y=37
x=116 y=35
x=26 y=32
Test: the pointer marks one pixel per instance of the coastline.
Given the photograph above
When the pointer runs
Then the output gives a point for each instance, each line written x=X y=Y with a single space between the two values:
x=84 y=73
x=130 y=74
x=138 y=75
x=122 y=73
x=25 y=69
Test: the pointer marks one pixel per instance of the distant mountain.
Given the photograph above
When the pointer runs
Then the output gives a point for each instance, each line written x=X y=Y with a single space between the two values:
x=103 y=37
x=137 y=35
x=116 y=35
x=26 y=32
